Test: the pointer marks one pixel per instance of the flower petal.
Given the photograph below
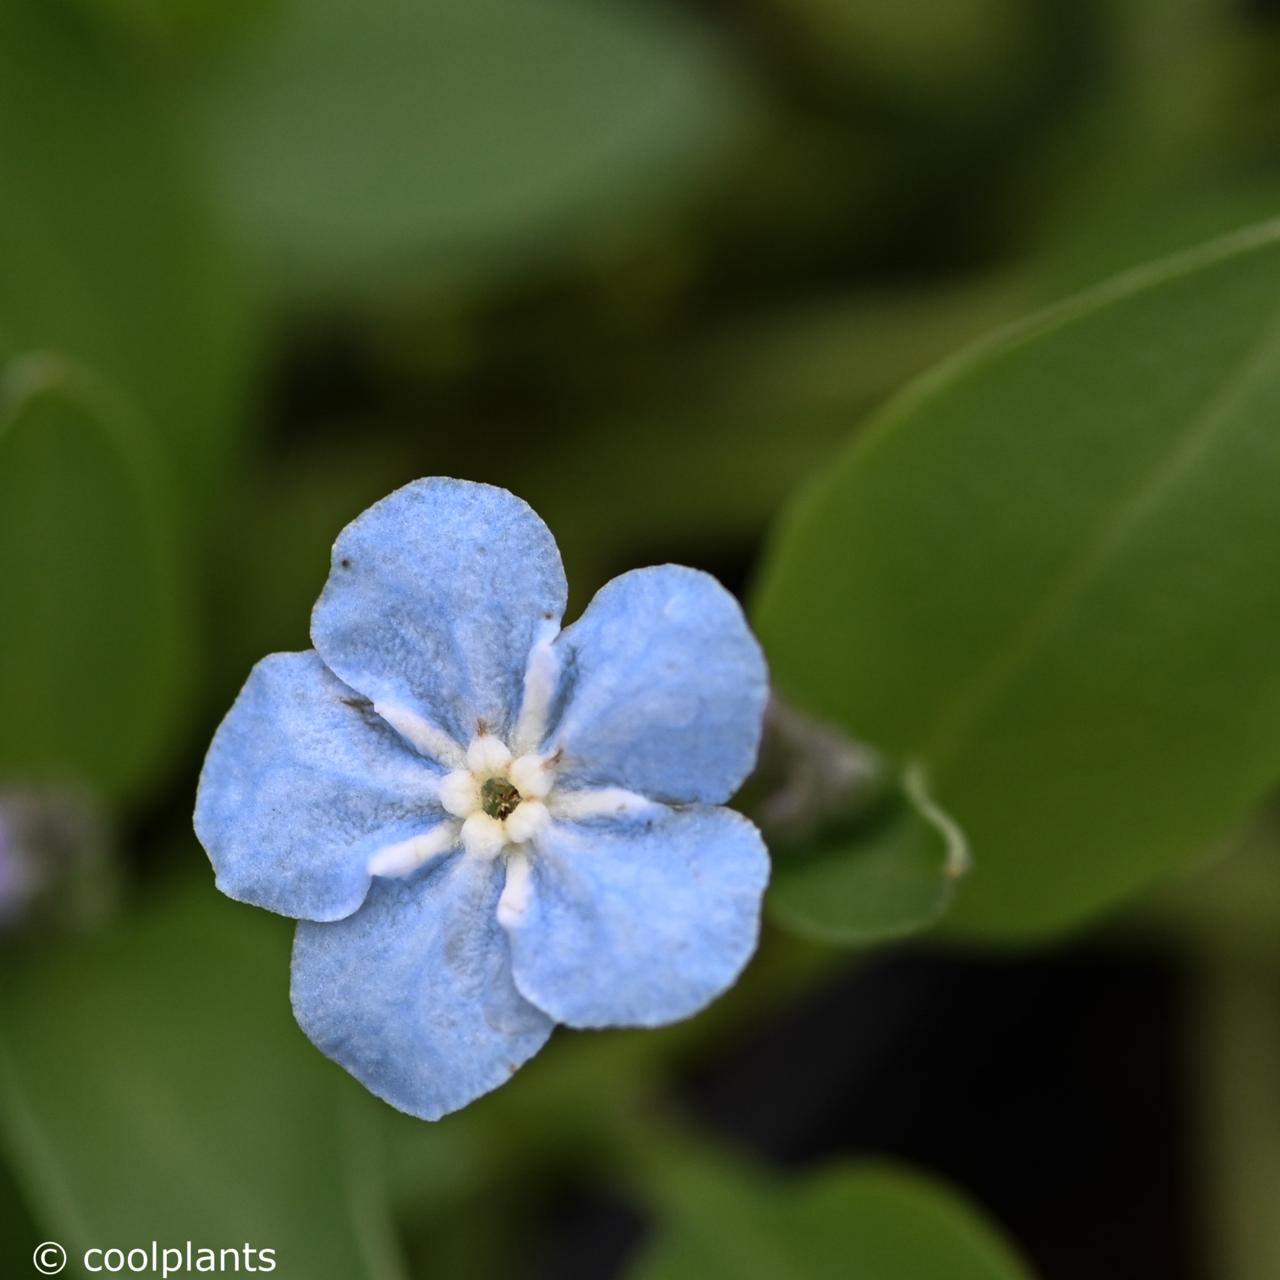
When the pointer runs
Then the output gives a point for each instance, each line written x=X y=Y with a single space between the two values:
x=435 y=597
x=636 y=922
x=413 y=994
x=664 y=689
x=302 y=785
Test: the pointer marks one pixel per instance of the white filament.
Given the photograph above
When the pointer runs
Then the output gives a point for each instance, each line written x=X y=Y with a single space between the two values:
x=604 y=802
x=428 y=738
x=401 y=858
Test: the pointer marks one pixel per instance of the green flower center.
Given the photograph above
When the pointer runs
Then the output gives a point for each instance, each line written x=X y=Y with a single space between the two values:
x=498 y=798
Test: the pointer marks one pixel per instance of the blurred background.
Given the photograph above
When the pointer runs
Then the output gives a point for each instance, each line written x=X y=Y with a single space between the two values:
x=648 y=265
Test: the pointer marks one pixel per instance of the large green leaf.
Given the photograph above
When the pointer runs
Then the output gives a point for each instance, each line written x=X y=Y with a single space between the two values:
x=183 y=26
x=870 y=1222
x=1049 y=571
x=95 y=646
x=108 y=252
x=356 y=140
x=153 y=1085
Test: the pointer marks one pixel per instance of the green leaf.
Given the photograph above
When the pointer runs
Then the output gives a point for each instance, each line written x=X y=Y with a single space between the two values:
x=354 y=141
x=1238 y=1047
x=109 y=254
x=1227 y=904
x=96 y=643
x=188 y=26
x=1048 y=571
x=17 y=1230
x=1225 y=920
x=871 y=1222
x=153 y=1085
x=933 y=51
x=888 y=877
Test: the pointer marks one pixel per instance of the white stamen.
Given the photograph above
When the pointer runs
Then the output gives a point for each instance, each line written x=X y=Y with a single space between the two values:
x=421 y=733
x=459 y=793
x=487 y=755
x=483 y=836
x=531 y=775
x=514 y=901
x=606 y=802
x=541 y=680
x=408 y=855
x=524 y=823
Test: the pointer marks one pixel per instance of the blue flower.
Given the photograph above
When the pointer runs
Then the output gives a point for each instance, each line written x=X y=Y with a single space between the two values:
x=484 y=824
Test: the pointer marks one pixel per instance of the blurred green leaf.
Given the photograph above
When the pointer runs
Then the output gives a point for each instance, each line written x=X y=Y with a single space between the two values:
x=1131 y=228
x=361 y=141
x=1048 y=571
x=890 y=876
x=95 y=649
x=18 y=1233
x=1227 y=921
x=154 y=1086
x=872 y=1222
x=1238 y=1056
x=296 y=507
x=109 y=255
x=183 y=24
x=1172 y=143
x=1228 y=904
x=942 y=50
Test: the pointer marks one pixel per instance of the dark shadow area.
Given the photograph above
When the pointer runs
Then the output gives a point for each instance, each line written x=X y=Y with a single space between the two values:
x=1051 y=1088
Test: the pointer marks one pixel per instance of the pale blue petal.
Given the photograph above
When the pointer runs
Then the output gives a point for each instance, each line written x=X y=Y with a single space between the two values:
x=413 y=994
x=663 y=689
x=638 y=922
x=434 y=599
x=302 y=784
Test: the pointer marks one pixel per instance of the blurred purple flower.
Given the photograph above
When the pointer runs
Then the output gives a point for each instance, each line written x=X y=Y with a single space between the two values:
x=52 y=858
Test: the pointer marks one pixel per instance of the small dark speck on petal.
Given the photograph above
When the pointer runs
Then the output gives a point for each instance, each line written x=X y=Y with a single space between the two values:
x=345 y=563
